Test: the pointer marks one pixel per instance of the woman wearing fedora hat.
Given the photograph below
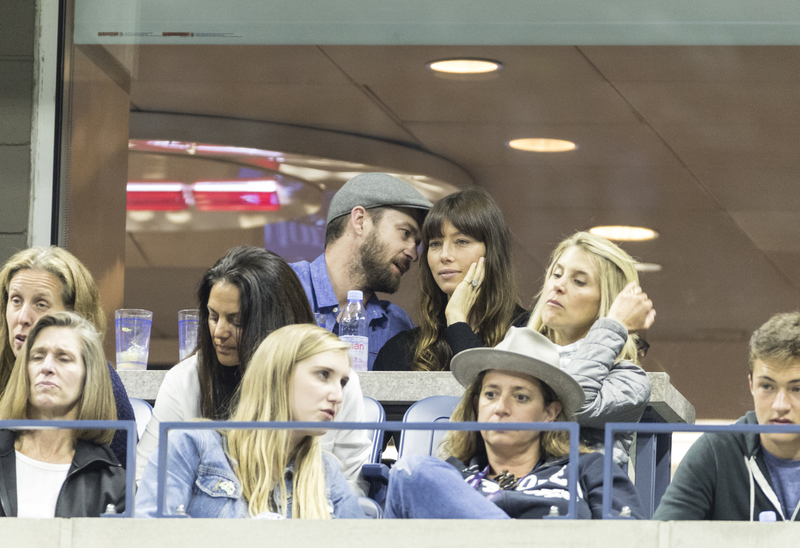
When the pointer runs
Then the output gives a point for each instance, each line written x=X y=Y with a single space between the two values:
x=498 y=474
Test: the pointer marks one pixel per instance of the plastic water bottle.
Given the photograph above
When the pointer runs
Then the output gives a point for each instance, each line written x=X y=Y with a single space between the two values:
x=353 y=330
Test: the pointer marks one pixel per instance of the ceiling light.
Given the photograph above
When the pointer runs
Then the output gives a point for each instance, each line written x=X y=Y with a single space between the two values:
x=648 y=267
x=142 y=216
x=542 y=145
x=465 y=66
x=178 y=217
x=624 y=233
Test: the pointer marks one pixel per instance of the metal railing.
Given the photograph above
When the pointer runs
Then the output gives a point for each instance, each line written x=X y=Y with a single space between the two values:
x=129 y=426
x=657 y=491
x=166 y=427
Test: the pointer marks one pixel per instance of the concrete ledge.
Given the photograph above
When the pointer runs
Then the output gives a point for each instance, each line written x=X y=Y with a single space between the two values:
x=405 y=388
x=168 y=533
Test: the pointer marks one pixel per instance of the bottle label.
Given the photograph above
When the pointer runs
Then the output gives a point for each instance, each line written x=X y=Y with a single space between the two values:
x=359 y=352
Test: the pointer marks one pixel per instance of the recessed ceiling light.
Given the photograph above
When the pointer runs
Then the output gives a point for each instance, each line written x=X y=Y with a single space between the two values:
x=178 y=217
x=624 y=233
x=542 y=145
x=465 y=66
x=648 y=267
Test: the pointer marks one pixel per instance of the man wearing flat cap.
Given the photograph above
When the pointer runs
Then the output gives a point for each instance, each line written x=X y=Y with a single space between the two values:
x=371 y=239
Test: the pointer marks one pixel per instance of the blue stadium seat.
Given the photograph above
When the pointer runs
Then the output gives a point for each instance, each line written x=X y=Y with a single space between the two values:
x=373 y=412
x=142 y=411
x=432 y=409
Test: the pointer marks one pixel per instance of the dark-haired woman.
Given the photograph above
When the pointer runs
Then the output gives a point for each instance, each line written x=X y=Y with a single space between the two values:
x=469 y=294
x=245 y=296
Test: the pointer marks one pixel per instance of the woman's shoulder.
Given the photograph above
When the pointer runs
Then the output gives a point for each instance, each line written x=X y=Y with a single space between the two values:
x=403 y=338
x=521 y=317
x=184 y=373
x=397 y=353
x=200 y=441
x=329 y=462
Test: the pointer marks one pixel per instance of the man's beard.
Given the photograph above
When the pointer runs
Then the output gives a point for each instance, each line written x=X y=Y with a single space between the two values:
x=376 y=269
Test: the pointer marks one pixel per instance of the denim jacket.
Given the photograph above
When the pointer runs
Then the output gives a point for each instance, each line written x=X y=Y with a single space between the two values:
x=200 y=478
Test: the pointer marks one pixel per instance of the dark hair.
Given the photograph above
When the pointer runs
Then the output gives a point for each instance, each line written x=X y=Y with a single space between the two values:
x=778 y=339
x=270 y=297
x=335 y=228
x=474 y=213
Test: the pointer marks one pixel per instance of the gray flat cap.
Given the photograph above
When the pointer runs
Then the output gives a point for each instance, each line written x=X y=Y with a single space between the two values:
x=375 y=190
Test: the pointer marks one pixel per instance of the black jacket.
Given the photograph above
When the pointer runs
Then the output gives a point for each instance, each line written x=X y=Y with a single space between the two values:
x=722 y=477
x=398 y=352
x=94 y=481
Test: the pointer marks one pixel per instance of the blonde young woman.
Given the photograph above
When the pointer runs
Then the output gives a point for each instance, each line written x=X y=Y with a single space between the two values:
x=590 y=306
x=60 y=374
x=296 y=374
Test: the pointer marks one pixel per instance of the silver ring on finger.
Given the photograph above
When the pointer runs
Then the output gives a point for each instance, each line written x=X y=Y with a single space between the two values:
x=474 y=283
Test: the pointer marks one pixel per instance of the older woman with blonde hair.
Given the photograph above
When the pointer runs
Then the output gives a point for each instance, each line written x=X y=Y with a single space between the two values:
x=590 y=306
x=297 y=374
x=42 y=280
x=60 y=374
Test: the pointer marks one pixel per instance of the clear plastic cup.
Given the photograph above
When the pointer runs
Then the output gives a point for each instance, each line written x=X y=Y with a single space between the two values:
x=321 y=319
x=132 y=327
x=188 y=324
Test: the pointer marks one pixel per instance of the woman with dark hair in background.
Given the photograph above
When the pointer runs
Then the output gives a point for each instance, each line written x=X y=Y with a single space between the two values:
x=469 y=293
x=42 y=280
x=60 y=374
x=245 y=296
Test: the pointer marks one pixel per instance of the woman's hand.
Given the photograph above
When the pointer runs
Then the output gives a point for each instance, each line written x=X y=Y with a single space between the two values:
x=465 y=295
x=633 y=309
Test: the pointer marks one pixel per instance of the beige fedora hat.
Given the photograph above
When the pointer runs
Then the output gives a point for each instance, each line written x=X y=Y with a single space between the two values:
x=522 y=351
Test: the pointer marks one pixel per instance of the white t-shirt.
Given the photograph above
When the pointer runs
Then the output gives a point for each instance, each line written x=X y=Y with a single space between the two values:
x=38 y=486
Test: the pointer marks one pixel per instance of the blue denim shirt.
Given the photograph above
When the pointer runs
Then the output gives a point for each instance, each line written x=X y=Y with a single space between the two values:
x=385 y=319
x=200 y=478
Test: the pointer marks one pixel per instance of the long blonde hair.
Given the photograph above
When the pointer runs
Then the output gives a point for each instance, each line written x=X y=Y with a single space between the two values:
x=260 y=457
x=615 y=269
x=96 y=401
x=465 y=445
x=78 y=293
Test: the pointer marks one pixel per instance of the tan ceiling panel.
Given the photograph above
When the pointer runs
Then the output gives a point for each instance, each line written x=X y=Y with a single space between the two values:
x=696 y=63
x=734 y=145
x=342 y=106
x=789 y=264
x=228 y=64
x=647 y=188
x=771 y=230
x=193 y=249
x=404 y=65
x=715 y=102
x=598 y=145
x=498 y=101
x=754 y=188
